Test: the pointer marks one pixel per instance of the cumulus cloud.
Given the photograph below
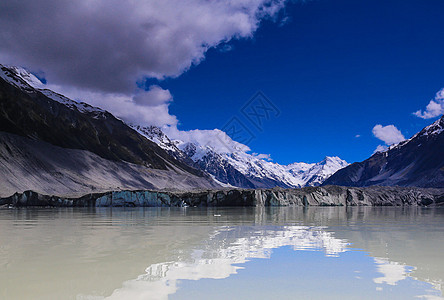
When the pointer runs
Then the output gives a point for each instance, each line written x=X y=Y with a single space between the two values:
x=216 y=139
x=108 y=45
x=154 y=96
x=97 y=51
x=435 y=107
x=380 y=148
x=388 y=134
x=147 y=107
x=143 y=108
x=266 y=157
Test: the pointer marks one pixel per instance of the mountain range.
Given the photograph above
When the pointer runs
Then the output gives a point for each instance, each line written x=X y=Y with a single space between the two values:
x=52 y=144
x=69 y=124
x=237 y=168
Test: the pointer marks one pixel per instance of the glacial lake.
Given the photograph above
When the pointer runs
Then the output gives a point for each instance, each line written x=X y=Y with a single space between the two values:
x=222 y=253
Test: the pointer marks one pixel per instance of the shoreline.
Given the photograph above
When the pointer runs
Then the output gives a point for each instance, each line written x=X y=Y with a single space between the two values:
x=308 y=196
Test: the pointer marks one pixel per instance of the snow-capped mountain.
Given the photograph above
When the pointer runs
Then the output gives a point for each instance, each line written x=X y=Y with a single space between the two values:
x=241 y=169
x=418 y=161
x=319 y=172
x=228 y=163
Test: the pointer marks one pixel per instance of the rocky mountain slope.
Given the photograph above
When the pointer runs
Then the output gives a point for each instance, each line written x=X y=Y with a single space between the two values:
x=418 y=161
x=38 y=119
x=242 y=169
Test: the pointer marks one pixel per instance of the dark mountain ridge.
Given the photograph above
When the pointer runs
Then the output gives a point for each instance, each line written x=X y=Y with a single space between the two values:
x=51 y=144
x=418 y=161
x=30 y=113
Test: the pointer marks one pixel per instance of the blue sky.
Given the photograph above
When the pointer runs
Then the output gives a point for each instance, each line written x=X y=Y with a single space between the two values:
x=335 y=69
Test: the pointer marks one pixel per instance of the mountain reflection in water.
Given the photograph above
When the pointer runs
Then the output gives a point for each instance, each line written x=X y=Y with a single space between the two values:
x=172 y=253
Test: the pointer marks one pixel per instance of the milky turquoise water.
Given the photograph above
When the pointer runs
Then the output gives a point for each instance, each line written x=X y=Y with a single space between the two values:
x=233 y=253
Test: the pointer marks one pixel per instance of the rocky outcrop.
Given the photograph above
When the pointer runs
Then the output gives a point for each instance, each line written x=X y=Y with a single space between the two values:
x=310 y=196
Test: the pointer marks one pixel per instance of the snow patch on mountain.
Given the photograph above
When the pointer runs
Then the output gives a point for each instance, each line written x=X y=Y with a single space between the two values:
x=434 y=129
x=156 y=135
x=80 y=106
x=28 y=82
x=25 y=75
x=10 y=76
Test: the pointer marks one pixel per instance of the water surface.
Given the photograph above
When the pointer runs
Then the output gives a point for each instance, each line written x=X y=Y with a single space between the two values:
x=232 y=253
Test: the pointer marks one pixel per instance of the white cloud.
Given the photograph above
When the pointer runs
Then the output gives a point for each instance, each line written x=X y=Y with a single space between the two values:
x=148 y=108
x=108 y=45
x=151 y=108
x=155 y=96
x=380 y=148
x=216 y=139
x=266 y=157
x=97 y=51
x=388 y=134
x=435 y=107
x=143 y=108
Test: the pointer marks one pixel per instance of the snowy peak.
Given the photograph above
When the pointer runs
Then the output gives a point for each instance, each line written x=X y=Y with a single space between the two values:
x=434 y=129
x=430 y=131
x=332 y=163
x=317 y=174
